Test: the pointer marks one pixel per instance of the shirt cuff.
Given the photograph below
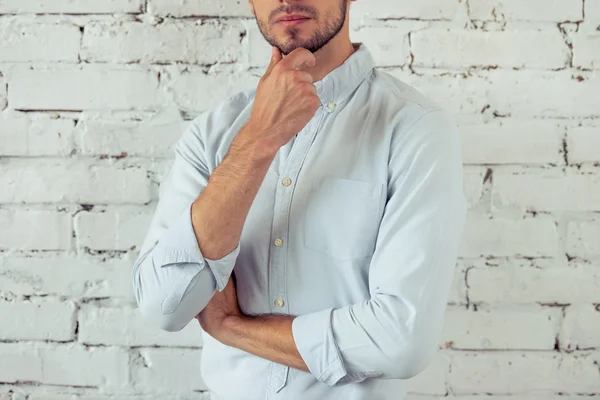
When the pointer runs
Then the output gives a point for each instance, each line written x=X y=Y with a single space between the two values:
x=178 y=245
x=222 y=267
x=313 y=336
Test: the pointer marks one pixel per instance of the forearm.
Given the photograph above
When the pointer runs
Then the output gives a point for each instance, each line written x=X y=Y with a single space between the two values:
x=219 y=213
x=268 y=336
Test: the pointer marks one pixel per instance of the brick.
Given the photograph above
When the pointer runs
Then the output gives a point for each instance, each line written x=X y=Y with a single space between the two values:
x=20 y=362
x=421 y=9
x=583 y=239
x=514 y=372
x=167 y=369
x=583 y=144
x=501 y=329
x=150 y=137
x=473 y=185
x=70 y=6
x=170 y=41
x=592 y=11
x=451 y=48
x=535 y=93
x=533 y=237
x=520 y=94
x=2 y=91
x=52 y=230
x=528 y=285
x=388 y=45
x=544 y=11
x=554 y=191
x=112 y=230
x=64 y=275
x=187 y=8
x=258 y=49
x=83 y=88
x=55 y=397
x=458 y=290
x=580 y=327
x=191 y=89
x=585 y=50
x=432 y=380
x=39 y=135
x=156 y=396
x=64 y=365
x=22 y=42
x=73 y=181
x=39 y=319
x=512 y=141
x=528 y=396
x=75 y=365
x=128 y=328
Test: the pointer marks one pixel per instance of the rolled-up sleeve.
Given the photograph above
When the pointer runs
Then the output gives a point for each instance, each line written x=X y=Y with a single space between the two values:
x=170 y=280
x=395 y=333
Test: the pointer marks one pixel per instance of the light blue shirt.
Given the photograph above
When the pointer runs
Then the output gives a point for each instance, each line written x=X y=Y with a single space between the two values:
x=355 y=230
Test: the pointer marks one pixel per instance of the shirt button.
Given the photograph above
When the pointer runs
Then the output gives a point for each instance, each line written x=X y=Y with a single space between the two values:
x=279 y=303
x=278 y=242
x=331 y=106
x=286 y=181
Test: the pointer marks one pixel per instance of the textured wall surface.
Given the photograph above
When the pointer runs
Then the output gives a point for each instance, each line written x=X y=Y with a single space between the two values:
x=93 y=95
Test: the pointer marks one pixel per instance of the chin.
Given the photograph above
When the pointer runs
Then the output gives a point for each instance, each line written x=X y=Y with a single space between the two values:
x=291 y=47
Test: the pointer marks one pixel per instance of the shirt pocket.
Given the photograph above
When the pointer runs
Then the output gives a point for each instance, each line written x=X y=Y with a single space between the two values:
x=342 y=218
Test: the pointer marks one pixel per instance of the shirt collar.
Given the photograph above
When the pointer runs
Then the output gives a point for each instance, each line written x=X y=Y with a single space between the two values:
x=338 y=84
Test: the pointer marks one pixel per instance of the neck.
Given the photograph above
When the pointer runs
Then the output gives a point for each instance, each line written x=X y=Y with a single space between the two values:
x=330 y=56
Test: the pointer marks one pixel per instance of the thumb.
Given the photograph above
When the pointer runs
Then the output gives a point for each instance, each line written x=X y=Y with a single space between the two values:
x=275 y=58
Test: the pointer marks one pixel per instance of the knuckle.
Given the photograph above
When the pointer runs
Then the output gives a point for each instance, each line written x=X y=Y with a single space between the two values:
x=314 y=102
x=308 y=89
x=295 y=75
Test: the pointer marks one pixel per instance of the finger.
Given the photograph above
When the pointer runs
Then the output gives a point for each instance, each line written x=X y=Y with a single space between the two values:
x=298 y=57
x=275 y=58
x=304 y=77
x=311 y=89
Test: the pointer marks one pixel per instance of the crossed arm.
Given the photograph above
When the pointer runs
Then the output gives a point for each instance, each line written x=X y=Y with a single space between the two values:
x=268 y=336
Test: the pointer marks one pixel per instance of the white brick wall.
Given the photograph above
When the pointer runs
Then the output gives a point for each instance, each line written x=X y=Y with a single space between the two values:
x=93 y=95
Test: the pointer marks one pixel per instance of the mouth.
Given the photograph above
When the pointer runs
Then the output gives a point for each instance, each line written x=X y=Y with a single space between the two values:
x=292 y=20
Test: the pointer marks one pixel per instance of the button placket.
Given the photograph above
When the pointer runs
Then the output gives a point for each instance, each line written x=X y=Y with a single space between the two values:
x=280 y=230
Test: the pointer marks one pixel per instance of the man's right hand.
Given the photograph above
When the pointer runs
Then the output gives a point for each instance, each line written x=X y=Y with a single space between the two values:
x=286 y=98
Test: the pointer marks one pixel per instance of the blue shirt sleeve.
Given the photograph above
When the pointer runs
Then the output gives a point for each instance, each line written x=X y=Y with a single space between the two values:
x=170 y=280
x=395 y=333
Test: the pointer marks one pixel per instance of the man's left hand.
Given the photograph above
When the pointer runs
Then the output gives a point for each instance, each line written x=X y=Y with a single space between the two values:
x=220 y=307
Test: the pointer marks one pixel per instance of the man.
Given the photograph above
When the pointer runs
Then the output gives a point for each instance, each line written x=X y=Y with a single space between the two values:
x=333 y=191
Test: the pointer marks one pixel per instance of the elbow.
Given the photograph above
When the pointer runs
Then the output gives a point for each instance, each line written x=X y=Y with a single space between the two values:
x=150 y=307
x=167 y=322
x=411 y=359
x=151 y=304
x=170 y=302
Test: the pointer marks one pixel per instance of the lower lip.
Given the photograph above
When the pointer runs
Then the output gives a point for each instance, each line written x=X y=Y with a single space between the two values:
x=294 y=22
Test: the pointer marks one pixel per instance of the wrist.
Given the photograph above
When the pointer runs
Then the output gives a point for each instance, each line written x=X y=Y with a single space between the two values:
x=255 y=144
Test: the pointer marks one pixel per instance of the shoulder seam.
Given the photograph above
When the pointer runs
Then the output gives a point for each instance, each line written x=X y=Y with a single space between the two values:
x=392 y=89
x=412 y=126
